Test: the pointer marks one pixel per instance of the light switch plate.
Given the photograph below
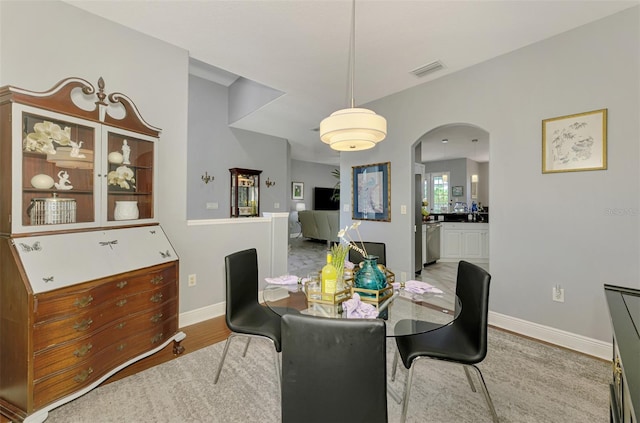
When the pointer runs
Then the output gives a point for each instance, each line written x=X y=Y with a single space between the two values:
x=403 y=209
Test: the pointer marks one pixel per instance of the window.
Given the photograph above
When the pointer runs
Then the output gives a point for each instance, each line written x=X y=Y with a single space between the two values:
x=436 y=189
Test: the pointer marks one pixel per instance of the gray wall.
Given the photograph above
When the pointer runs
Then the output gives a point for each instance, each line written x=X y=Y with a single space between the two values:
x=214 y=147
x=582 y=229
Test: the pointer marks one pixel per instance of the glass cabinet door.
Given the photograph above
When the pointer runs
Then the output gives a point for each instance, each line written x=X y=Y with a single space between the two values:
x=54 y=159
x=130 y=176
x=245 y=192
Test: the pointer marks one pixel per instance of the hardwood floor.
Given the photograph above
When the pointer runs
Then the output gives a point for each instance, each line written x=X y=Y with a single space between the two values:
x=199 y=336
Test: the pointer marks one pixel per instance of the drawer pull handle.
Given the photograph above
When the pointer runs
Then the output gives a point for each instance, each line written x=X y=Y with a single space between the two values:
x=121 y=347
x=156 y=318
x=82 y=351
x=84 y=325
x=83 y=302
x=122 y=284
x=156 y=298
x=121 y=325
x=156 y=280
x=83 y=375
x=121 y=303
x=157 y=338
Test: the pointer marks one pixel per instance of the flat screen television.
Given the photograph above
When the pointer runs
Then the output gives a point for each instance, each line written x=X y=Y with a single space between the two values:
x=322 y=199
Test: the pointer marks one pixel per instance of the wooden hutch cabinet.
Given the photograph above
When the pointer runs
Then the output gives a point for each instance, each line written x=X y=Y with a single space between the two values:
x=88 y=278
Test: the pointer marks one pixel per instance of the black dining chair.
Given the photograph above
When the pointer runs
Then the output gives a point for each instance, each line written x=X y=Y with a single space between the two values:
x=464 y=341
x=245 y=316
x=333 y=370
x=378 y=249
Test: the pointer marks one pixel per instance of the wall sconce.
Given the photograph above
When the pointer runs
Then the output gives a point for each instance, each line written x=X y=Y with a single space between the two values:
x=207 y=178
x=269 y=183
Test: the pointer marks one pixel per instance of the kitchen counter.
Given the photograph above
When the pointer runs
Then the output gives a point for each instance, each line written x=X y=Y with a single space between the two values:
x=459 y=217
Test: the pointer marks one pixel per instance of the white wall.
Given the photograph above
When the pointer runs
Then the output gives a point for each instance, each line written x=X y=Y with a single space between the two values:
x=545 y=229
x=64 y=41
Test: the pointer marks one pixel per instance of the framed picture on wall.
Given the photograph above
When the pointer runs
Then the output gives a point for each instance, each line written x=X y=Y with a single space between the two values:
x=575 y=142
x=297 y=190
x=371 y=190
x=457 y=191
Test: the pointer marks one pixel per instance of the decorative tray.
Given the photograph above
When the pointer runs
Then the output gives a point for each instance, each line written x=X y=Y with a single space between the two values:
x=326 y=298
x=373 y=296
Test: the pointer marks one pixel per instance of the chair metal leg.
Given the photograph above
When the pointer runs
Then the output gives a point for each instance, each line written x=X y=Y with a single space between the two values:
x=487 y=397
x=466 y=372
x=407 y=391
x=394 y=366
x=224 y=355
x=276 y=357
x=246 y=347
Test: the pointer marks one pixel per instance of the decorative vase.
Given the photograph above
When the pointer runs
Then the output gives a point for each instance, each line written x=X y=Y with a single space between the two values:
x=126 y=210
x=370 y=276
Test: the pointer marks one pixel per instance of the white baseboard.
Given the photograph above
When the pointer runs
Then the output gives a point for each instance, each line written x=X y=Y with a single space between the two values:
x=201 y=314
x=572 y=341
x=554 y=336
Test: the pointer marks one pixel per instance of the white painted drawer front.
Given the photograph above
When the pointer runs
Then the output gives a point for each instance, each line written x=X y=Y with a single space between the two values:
x=60 y=260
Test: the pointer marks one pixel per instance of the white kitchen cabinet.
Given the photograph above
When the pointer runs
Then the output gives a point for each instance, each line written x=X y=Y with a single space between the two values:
x=465 y=241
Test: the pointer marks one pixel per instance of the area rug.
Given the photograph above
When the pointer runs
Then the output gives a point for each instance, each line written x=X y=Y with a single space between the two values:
x=528 y=381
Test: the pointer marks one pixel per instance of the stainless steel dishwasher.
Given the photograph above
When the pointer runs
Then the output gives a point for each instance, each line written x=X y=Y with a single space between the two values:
x=433 y=242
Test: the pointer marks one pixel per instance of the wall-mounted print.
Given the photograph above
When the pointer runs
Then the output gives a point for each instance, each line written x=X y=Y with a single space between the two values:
x=297 y=190
x=575 y=142
x=371 y=192
x=457 y=191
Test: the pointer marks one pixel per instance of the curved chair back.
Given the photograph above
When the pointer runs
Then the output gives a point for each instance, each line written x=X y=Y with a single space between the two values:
x=472 y=287
x=333 y=370
x=242 y=283
x=378 y=249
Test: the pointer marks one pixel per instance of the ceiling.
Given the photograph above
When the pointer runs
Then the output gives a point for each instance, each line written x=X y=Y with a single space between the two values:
x=301 y=47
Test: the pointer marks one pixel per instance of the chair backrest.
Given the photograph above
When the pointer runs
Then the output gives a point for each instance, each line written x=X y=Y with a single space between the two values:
x=242 y=282
x=472 y=287
x=333 y=370
x=378 y=249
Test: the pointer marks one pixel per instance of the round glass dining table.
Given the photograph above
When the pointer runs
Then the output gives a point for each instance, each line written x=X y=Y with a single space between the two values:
x=406 y=312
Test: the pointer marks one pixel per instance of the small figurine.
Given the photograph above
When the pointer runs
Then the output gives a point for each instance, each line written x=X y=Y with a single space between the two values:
x=75 y=149
x=126 y=151
x=63 y=183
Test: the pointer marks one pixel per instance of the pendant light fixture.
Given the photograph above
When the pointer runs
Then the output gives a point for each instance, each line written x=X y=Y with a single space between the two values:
x=353 y=129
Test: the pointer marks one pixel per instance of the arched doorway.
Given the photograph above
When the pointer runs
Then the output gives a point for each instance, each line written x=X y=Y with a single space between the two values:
x=452 y=172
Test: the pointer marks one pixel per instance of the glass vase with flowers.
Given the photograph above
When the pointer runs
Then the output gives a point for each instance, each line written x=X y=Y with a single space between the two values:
x=369 y=276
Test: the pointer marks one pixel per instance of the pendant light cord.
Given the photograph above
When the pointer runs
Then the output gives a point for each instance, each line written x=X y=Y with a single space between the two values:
x=353 y=50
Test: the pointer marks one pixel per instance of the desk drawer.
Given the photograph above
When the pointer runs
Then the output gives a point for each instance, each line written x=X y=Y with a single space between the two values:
x=85 y=348
x=62 y=383
x=70 y=327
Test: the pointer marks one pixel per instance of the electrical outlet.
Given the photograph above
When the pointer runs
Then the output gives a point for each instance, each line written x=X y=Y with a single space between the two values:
x=212 y=206
x=192 y=280
x=558 y=294
x=276 y=205
x=403 y=209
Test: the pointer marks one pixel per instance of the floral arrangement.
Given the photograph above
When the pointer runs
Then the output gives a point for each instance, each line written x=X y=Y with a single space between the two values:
x=339 y=253
x=121 y=177
x=46 y=133
x=344 y=236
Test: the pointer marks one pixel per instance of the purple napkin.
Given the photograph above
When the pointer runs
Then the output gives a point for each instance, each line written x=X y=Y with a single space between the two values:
x=354 y=308
x=283 y=280
x=419 y=287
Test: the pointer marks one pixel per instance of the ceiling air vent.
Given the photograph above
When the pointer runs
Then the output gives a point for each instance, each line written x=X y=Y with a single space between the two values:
x=428 y=68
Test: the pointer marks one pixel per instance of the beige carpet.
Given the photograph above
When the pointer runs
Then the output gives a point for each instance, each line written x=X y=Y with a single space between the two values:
x=528 y=381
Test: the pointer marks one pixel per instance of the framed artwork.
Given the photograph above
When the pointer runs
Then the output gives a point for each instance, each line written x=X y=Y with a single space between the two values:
x=371 y=192
x=297 y=190
x=575 y=142
x=457 y=191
